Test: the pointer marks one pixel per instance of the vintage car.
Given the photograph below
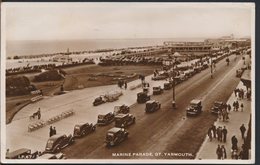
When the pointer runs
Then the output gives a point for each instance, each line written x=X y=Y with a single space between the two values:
x=198 y=69
x=142 y=97
x=157 y=90
x=105 y=118
x=159 y=77
x=52 y=156
x=115 y=136
x=205 y=66
x=58 y=142
x=217 y=106
x=124 y=120
x=82 y=129
x=195 y=108
x=167 y=86
x=99 y=100
x=121 y=109
x=23 y=153
x=152 y=106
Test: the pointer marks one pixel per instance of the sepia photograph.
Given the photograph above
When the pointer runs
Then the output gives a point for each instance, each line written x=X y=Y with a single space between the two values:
x=100 y=82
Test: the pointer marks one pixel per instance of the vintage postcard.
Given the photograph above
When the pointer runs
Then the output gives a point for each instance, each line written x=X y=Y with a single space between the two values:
x=128 y=83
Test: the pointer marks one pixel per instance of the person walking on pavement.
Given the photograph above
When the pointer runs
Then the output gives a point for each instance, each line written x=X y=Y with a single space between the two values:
x=224 y=132
x=219 y=114
x=229 y=107
x=39 y=113
x=235 y=92
x=242 y=93
x=220 y=134
x=234 y=105
x=242 y=130
x=210 y=133
x=51 y=131
x=54 y=131
x=242 y=106
x=125 y=85
x=237 y=105
x=223 y=153
x=218 y=152
x=234 y=143
x=214 y=130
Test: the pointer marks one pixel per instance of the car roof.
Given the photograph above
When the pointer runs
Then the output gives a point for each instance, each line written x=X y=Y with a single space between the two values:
x=55 y=137
x=114 y=130
x=104 y=113
x=218 y=102
x=46 y=156
x=17 y=152
x=121 y=115
x=81 y=123
x=150 y=101
x=195 y=101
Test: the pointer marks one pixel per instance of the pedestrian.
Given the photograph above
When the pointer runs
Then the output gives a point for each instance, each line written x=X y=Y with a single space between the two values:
x=39 y=113
x=224 y=132
x=223 y=153
x=125 y=85
x=61 y=88
x=227 y=117
x=237 y=105
x=210 y=133
x=242 y=106
x=220 y=134
x=234 y=143
x=235 y=92
x=54 y=131
x=229 y=107
x=119 y=83
x=234 y=106
x=224 y=115
x=242 y=93
x=218 y=152
x=214 y=130
x=51 y=131
x=219 y=114
x=242 y=130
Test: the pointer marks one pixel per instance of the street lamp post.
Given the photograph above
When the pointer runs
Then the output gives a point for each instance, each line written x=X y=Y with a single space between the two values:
x=173 y=88
x=211 y=62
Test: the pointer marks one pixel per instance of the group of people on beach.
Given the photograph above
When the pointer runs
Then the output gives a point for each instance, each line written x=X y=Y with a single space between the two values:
x=122 y=84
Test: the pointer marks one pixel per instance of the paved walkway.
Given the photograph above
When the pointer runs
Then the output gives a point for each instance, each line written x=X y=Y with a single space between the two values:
x=237 y=118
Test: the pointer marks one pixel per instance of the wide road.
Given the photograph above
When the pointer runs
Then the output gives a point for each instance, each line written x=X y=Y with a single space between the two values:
x=166 y=130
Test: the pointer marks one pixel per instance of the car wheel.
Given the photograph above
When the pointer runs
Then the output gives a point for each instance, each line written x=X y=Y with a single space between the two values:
x=83 y=133
x=72 y=141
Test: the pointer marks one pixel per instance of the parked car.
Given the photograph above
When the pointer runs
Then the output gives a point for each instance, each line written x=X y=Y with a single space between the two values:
x=159 y=77
x=23 y=153
x=121 y=109
x=198 y=69
x=152 y=106
x=115 y=136
x=105 y=118
x=157 y=90
x=142 y=97
x=217 y=106
x=82 y=129
x=58 y=142
x=195 y=108
x=99 y=100
x=124 y=120
x=205 y=66
x=167 y=86
x=52 y=156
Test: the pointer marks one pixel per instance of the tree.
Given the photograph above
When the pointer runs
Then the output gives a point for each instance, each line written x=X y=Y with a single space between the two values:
x=17 y=85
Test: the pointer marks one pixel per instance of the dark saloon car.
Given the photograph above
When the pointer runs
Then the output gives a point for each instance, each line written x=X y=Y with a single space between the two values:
x=217 y=107
x=142 y=97
x=157 y=90
x=23 y=153
x=167 y=86
x=121 y=109
x=124 y=120
x=152 y=106
x=58 y=142
x=115 y=136
x=82 y=129
x=99 y=100
x=195 y=108
x=106 y=118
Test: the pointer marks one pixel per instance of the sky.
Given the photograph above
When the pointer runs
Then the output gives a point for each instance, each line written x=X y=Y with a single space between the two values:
x=66 y=21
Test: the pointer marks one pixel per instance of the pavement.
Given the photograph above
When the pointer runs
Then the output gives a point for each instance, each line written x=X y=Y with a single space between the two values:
x=236 y=119
x=79 y=100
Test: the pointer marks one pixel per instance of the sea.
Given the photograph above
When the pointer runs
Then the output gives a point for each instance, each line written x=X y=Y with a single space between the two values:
x=34 y=47
x=37 y=47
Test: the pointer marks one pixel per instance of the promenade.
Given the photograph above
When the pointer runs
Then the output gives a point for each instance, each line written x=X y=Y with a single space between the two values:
x=236 y=119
